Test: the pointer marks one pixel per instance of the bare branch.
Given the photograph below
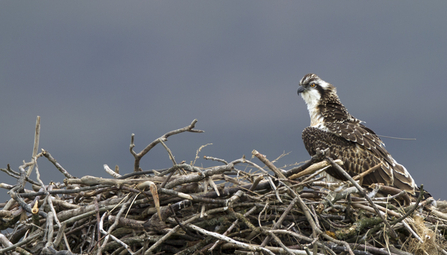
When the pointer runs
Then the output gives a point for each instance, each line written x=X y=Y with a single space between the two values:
x=163 y=138
x=247 y=209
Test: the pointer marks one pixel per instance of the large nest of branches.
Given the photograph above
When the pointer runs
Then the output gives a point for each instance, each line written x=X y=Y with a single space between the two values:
x=238 y=207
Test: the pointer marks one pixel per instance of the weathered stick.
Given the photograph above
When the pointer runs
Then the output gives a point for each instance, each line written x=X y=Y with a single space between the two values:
x=313 y=168
x=138 y=156
x=35 y=147
x=56 y=164
x=269 y=164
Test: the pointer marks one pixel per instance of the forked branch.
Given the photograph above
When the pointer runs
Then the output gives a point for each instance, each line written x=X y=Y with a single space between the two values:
x=163 y=138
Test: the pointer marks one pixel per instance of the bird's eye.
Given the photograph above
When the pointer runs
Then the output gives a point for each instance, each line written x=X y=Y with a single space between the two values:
x=313 y=85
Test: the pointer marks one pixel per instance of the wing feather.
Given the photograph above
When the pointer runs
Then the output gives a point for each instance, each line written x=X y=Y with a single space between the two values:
x=358 y=133
x=351 y=147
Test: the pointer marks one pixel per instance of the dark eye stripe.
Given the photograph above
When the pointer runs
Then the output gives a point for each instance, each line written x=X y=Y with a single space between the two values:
x=320 y=90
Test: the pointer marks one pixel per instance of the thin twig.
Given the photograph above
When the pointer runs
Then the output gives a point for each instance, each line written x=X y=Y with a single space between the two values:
x=269 y=164
x=35 y=147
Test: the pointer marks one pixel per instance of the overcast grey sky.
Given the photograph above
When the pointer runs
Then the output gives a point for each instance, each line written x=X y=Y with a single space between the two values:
x=98 y=71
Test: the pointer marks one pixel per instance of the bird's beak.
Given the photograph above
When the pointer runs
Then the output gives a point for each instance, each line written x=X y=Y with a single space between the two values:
x=300 y=90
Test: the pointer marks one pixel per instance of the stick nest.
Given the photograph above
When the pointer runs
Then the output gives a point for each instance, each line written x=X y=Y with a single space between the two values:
x=236 y=207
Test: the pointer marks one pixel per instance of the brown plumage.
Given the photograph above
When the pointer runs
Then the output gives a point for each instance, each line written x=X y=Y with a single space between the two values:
x=346 y=138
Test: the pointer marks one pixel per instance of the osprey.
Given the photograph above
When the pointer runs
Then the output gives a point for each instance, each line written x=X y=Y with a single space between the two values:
x=344 y=137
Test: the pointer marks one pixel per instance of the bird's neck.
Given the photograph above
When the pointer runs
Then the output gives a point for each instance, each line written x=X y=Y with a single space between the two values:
x=330 y=110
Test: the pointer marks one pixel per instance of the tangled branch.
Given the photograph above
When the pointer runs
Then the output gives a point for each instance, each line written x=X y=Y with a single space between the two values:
x=185 y=209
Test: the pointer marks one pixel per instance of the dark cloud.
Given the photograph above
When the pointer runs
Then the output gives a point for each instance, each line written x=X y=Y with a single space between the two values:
x=96 y=72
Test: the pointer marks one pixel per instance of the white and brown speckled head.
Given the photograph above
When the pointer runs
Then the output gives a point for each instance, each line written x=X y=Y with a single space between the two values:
x=322 y=101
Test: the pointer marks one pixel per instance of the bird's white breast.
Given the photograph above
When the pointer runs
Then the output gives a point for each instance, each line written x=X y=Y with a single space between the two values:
x=312 y=98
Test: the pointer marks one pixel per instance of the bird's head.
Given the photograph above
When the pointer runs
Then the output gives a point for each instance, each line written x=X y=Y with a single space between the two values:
x=313 y=88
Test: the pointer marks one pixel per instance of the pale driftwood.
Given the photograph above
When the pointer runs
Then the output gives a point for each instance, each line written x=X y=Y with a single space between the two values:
x=313 y=168
x=111 y=172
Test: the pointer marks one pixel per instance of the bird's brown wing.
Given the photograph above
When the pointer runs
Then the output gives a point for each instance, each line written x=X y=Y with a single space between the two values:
x=363 y=136
x=355 y=159
x=360 y=149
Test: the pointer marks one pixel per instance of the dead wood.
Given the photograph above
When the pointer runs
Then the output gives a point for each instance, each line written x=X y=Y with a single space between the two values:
x=185 y=209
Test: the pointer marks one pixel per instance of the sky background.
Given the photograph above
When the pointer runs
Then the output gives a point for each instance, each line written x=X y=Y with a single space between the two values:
x=98 y=71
